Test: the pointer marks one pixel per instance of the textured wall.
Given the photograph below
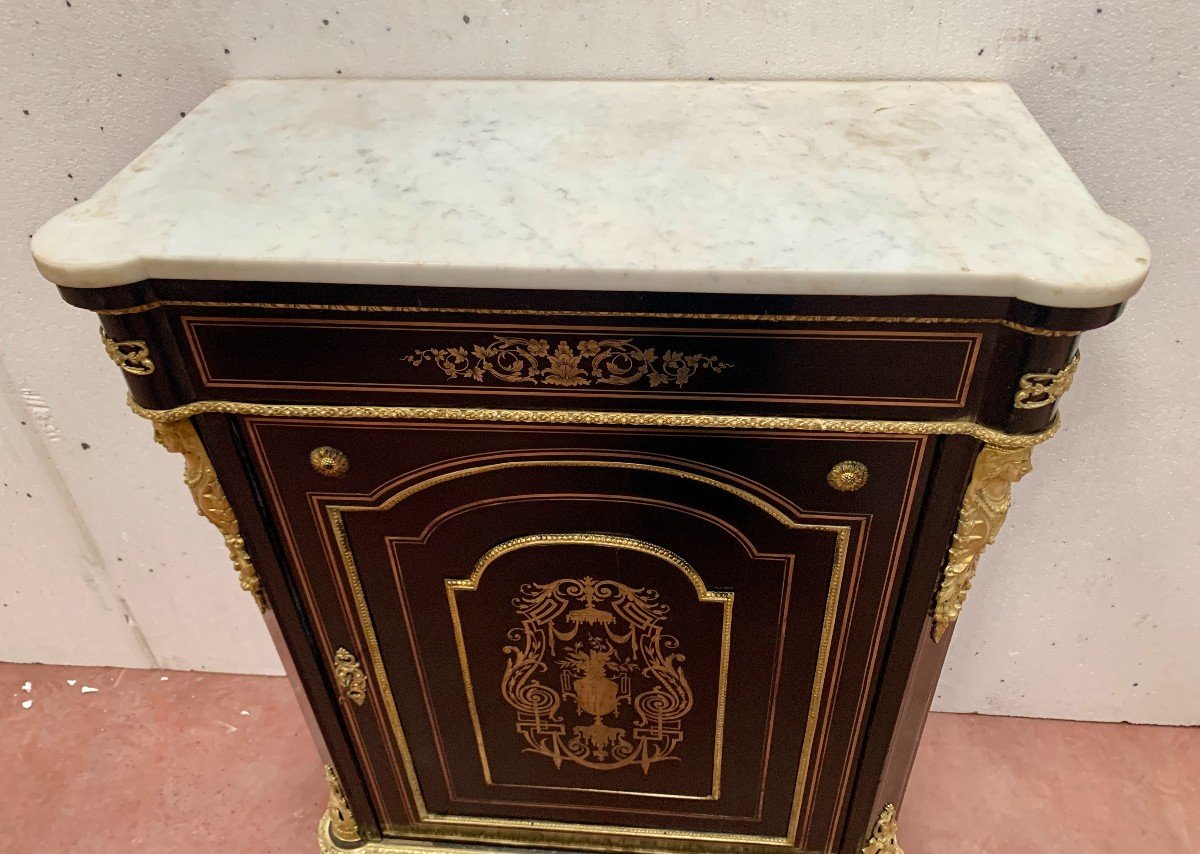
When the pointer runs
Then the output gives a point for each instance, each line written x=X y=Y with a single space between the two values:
x=1085 y=609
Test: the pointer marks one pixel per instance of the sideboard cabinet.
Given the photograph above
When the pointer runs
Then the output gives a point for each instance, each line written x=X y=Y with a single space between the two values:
x=612 y=460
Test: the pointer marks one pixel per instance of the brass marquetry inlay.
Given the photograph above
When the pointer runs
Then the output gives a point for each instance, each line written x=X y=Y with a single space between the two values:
x=535 y=361
x=342 y=825
x=605 y=643
x=133 y=357
x=180 y=437
x=329 y=461
x=1038 y=390
x=351 y=680
x=883 y=840
x=984 y=508
x=848 y=476
x=592 y=673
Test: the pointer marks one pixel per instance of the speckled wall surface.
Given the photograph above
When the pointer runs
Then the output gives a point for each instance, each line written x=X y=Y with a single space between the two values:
x=1085 y=609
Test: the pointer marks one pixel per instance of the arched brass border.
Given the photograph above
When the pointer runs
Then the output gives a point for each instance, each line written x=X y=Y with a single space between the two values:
x=335 y=515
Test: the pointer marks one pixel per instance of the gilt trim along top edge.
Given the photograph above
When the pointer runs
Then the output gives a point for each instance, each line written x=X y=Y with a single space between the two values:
x=662 y=315
x=988 y=435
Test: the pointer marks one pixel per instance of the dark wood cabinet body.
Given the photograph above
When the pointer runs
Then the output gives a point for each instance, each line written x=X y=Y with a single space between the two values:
x=615 y=506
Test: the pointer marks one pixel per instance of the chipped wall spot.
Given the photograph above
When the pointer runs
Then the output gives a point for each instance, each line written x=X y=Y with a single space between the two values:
x=1019 y=35
x=39 y=411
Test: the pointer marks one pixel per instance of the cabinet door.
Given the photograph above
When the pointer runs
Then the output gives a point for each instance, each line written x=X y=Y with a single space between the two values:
x=596 y=636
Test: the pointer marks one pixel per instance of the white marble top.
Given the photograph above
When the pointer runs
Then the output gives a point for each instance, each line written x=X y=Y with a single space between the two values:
x=805 y=188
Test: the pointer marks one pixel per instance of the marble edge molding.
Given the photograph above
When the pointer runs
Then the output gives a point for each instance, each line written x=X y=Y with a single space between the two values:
x=119 y=269
x=95 y=243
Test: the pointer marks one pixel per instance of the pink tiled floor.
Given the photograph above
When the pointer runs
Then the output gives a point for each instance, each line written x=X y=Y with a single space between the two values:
x=198 y=764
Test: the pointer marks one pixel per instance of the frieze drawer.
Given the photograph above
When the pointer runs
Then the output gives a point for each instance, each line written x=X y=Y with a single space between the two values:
x=592 y=365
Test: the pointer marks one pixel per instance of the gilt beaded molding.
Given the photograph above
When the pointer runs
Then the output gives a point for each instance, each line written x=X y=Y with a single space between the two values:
x=987 y=435
x=1004 y=459
x=661 y=315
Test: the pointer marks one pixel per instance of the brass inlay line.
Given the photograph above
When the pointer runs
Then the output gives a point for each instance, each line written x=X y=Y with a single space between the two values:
x=457 y=363
x=814 y=708
x=667 y=315
x=842 y=532
x=745 y=543
x=984 y=434
x=641 y=605
x=381 y=676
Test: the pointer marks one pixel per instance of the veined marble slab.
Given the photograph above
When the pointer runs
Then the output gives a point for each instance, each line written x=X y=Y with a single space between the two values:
x=804 y=188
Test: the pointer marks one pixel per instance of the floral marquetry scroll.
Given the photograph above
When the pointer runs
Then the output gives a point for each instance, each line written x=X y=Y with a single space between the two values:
x=587 y=650
x=592 y=669
x=534 y=361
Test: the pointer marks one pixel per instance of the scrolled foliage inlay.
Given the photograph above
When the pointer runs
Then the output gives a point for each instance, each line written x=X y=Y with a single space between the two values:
x=534 y=361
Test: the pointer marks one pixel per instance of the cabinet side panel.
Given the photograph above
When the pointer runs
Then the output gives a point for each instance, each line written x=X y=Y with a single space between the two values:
x=289 y=626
